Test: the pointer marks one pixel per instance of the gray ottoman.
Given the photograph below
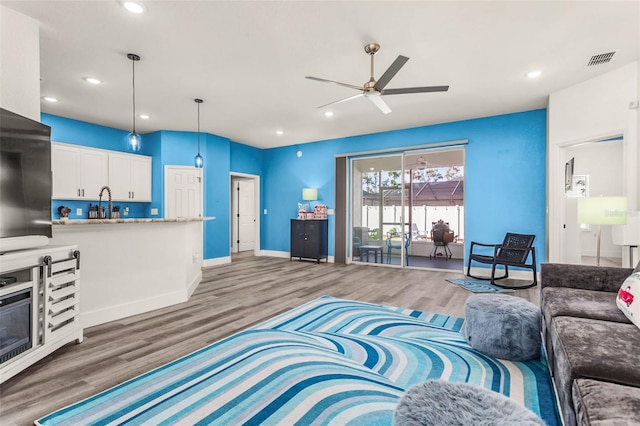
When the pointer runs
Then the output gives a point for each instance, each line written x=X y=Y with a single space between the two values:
x=439 y=403
x=504 y=327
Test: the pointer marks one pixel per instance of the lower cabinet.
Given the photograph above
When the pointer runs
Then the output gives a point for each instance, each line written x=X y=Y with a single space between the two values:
x=309 y=239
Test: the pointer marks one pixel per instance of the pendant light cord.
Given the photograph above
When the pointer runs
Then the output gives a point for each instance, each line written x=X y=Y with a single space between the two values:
x=133 y=63
x=198 y=128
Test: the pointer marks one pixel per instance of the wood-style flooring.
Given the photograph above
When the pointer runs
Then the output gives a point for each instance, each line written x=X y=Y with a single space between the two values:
x=229 y=298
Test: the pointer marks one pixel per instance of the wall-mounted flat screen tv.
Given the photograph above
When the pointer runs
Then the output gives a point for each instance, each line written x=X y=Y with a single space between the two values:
x=25 y=176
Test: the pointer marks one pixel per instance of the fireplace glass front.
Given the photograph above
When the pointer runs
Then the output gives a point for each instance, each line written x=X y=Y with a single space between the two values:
x=15 y=324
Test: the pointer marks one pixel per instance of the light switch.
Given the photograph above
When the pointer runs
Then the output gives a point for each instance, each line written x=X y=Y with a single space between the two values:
x=154 y=212
x=329 y=211
x=78 y=212
x=265 y=211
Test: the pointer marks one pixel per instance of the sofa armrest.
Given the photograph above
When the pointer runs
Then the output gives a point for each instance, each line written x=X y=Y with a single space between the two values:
x=599 y=278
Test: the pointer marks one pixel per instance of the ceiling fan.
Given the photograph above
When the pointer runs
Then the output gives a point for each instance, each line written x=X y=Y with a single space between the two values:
x=374 y=90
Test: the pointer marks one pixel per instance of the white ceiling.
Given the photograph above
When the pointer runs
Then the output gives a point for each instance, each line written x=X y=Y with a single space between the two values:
x=248 y=60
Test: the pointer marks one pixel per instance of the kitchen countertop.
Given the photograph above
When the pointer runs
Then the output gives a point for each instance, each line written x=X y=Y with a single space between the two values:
x=123 y=220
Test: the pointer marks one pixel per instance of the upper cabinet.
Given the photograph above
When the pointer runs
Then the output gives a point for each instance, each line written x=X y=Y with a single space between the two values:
x=130 y=177
x=79 y=173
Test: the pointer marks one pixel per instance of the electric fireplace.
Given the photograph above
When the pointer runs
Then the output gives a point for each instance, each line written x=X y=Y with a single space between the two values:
x=15 y=323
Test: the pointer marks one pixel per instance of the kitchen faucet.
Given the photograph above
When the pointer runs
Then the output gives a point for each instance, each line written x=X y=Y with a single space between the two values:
x=108 y=215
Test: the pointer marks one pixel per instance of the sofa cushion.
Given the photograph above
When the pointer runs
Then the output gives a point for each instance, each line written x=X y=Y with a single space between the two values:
x=587 y=348
x=602 y=403
x=628 y=299
x=573 y=302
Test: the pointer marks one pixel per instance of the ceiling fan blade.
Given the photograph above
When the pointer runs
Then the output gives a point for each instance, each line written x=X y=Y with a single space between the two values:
x=415 y=90
x=342 y=100
x=377 y=100
x=351 y=86
x=390 y=72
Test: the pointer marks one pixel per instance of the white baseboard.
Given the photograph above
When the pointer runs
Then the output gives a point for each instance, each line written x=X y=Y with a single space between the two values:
x=194 y=284
x=516 y=275
x=274 y=253
x=286 y=255
x=134 y=307
x=216 y=261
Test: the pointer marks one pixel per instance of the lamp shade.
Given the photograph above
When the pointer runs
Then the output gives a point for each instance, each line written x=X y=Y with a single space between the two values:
x=310 y=194
x=602 y=210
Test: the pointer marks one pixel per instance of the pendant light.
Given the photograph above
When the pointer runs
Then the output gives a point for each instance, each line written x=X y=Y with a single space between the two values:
x=198 y=160
x=135 y=139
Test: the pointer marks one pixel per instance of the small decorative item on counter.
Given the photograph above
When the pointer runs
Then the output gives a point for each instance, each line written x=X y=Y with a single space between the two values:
x=64 y=212
x=115 y=213
x=320 y=211
x=309 y=215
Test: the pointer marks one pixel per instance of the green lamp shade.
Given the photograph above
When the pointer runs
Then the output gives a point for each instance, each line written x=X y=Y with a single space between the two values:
x=602 y=210
x=310 y=194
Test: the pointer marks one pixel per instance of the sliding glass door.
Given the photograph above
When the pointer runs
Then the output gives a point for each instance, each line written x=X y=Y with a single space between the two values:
x=377 y=216
x=397 y=202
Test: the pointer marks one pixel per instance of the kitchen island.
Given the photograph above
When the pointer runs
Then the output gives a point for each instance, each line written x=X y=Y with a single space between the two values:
x=132 y=266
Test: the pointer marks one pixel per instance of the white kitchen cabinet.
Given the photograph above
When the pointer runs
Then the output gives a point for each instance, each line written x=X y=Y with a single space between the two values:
x=78 y=173
x=130 y=177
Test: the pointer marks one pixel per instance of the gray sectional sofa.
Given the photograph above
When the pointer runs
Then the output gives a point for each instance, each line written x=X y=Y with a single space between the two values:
x=592 y=348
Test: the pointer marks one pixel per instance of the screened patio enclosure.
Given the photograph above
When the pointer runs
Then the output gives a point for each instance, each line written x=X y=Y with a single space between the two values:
x=398 y=198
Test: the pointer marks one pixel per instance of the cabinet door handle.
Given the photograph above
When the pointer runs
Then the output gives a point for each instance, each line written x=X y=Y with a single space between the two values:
x=78 y=192
x=83 y=192
x=133 y=194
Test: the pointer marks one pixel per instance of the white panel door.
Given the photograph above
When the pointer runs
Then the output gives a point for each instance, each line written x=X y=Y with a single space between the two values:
x=247 y=215
x=183 y=192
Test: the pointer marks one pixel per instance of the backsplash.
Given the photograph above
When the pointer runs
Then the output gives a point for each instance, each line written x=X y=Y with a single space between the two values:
x=136 y=210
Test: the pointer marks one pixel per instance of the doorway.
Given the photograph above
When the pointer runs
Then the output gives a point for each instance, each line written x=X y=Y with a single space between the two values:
x=594 y=169
x=398 y=199
x=245 y=213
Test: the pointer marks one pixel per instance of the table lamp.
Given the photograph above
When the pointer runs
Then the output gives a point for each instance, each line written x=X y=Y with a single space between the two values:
x=309 y=194
x=602 y=211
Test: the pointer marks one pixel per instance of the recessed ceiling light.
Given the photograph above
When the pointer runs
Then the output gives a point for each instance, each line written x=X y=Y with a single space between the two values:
x=133 y=6
x=328 y=114
x=92 y=80
x=279 y=132
x=50 y=99
x=534 y=74
x=144 y=116
x=371 y=168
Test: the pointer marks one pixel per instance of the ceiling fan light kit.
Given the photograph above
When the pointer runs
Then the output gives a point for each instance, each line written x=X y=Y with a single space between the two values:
x=374 y=89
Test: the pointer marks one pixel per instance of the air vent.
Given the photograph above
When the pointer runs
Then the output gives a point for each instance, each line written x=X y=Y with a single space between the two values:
x=602 y=58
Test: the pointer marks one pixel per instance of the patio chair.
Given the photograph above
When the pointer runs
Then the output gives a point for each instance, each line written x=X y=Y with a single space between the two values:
x=514 y=251
x=396 y=244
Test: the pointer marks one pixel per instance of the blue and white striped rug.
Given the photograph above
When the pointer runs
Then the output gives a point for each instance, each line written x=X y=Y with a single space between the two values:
x=329 y=361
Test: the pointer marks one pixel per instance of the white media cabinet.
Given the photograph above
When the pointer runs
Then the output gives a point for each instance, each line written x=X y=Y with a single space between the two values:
x=53 y=275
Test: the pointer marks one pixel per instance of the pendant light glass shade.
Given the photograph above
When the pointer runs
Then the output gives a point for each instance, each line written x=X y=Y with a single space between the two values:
x=198 y=160
x=135 y=140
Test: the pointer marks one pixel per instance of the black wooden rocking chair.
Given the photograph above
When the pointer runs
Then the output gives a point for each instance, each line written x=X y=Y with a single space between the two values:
x=514 y=251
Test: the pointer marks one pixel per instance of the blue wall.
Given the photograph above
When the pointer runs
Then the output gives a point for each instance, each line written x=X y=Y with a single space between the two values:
x=76 y=132
x=505 y=176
